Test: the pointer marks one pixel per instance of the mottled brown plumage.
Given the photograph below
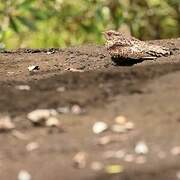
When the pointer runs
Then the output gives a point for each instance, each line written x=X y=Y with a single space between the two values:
x=120 y=45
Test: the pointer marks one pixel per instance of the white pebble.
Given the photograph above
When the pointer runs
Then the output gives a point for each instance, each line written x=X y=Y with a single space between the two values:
x=33 y=68
x=23 y=87
x=129 y=125
x=52 y=122
x=24 y=175
x=104 y=140
x=76 y=109
x=50 y=52
x=32 y=146
x=64 y=110
x=99 y=127
x=40 y=115
x=118 y=128
x=120 y=120
x=96 y=166
x=141 y=148
x=80 y=160
x=60 y=89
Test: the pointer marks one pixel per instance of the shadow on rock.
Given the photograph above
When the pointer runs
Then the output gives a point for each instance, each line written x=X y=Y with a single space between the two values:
x=125 y=61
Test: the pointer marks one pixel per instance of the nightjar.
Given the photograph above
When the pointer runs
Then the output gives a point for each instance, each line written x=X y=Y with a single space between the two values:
x=120 y=46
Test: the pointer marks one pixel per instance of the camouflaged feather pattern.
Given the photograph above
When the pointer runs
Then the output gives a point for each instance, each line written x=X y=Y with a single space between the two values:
x=122 y=46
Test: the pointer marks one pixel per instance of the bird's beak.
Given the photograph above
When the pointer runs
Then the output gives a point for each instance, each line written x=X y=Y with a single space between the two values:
x=103 y=33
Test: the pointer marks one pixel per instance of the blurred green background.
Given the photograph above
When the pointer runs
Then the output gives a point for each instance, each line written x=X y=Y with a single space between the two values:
x=62 y=23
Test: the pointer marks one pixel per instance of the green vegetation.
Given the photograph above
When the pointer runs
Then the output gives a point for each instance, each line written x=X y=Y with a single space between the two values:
x=60 y=23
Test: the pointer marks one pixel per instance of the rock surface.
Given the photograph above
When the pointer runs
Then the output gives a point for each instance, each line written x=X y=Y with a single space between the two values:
x=146 y=93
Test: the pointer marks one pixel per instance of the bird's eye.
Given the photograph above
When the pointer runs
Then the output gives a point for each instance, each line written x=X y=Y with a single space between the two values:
x=109 y=33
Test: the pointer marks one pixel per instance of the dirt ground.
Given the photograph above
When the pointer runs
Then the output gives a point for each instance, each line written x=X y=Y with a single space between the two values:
x=146 y=93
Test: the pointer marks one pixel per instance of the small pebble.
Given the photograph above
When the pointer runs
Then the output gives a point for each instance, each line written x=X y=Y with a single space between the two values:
x=80 y=160
x=118 y=128
x=76 y=109
x=129 y=125
x=175 y=151
x=99 y=127
x=104 y=140
x=33 y=68
x=32 y=146
x=50 y=52
x=60 y=89
x=141 y=148
x=10 y=73
x=114 y=169
x=6 y=123
x=120 y=120
x=74 y=70
x=97 y=166
x=64 y=110
x=24 y=175
x=52 y=122
x=23 y=87
x=40 y=115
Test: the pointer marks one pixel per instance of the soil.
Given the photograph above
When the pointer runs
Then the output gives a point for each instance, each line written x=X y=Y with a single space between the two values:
x=147 y=93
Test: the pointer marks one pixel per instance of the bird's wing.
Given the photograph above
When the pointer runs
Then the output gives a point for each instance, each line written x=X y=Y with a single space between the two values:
x=131 y=52
x=141 y=50
x=157 y=51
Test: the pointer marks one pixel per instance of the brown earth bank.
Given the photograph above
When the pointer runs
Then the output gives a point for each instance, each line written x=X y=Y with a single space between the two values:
x=146 y=93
